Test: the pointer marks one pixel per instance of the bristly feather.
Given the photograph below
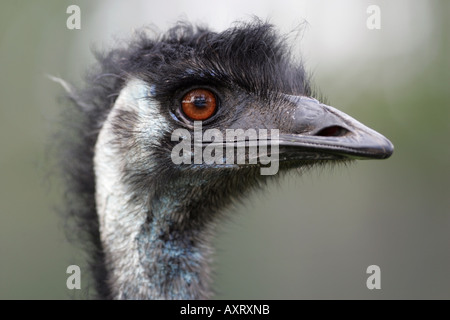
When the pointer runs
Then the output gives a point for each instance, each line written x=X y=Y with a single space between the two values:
x=245 y=56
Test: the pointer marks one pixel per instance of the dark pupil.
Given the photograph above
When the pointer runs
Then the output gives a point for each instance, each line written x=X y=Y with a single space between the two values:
x=200 y=101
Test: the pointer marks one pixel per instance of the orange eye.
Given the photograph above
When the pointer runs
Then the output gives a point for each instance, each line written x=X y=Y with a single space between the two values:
x=199 y=104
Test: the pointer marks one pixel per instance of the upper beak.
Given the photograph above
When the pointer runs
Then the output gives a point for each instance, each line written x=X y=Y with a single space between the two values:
x=323 y=132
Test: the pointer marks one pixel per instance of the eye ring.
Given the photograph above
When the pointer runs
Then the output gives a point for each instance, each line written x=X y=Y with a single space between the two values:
x=199 y=104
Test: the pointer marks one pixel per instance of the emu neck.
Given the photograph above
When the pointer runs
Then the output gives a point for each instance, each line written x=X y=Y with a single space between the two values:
x=151 y=251
x=175 y=258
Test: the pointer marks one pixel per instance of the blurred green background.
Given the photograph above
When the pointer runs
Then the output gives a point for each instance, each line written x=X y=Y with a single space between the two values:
x=306 y=237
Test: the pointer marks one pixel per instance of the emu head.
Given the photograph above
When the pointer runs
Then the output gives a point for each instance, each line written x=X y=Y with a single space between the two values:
x=156 y=214
x=243 y=78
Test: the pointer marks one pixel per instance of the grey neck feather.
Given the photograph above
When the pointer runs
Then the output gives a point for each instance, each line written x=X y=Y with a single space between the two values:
x=147 y=255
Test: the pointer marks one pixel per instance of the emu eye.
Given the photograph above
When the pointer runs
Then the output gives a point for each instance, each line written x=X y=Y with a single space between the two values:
x=199 y=104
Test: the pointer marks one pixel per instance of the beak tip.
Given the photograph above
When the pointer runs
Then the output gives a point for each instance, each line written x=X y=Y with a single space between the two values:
x=388 y=150
x=382 y=150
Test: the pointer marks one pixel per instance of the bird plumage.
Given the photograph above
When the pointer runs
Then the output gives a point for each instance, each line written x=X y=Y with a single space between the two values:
x=150 y=221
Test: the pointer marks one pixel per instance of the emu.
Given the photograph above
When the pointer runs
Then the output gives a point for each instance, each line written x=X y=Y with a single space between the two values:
x=149 y=222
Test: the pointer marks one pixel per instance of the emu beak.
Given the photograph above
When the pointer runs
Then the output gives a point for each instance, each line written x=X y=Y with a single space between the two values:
x=323 y=132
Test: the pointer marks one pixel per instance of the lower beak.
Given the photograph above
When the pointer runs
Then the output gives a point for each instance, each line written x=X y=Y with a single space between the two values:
x=323 y=132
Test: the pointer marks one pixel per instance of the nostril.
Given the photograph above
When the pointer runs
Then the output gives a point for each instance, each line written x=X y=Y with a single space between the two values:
x=333 y=131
